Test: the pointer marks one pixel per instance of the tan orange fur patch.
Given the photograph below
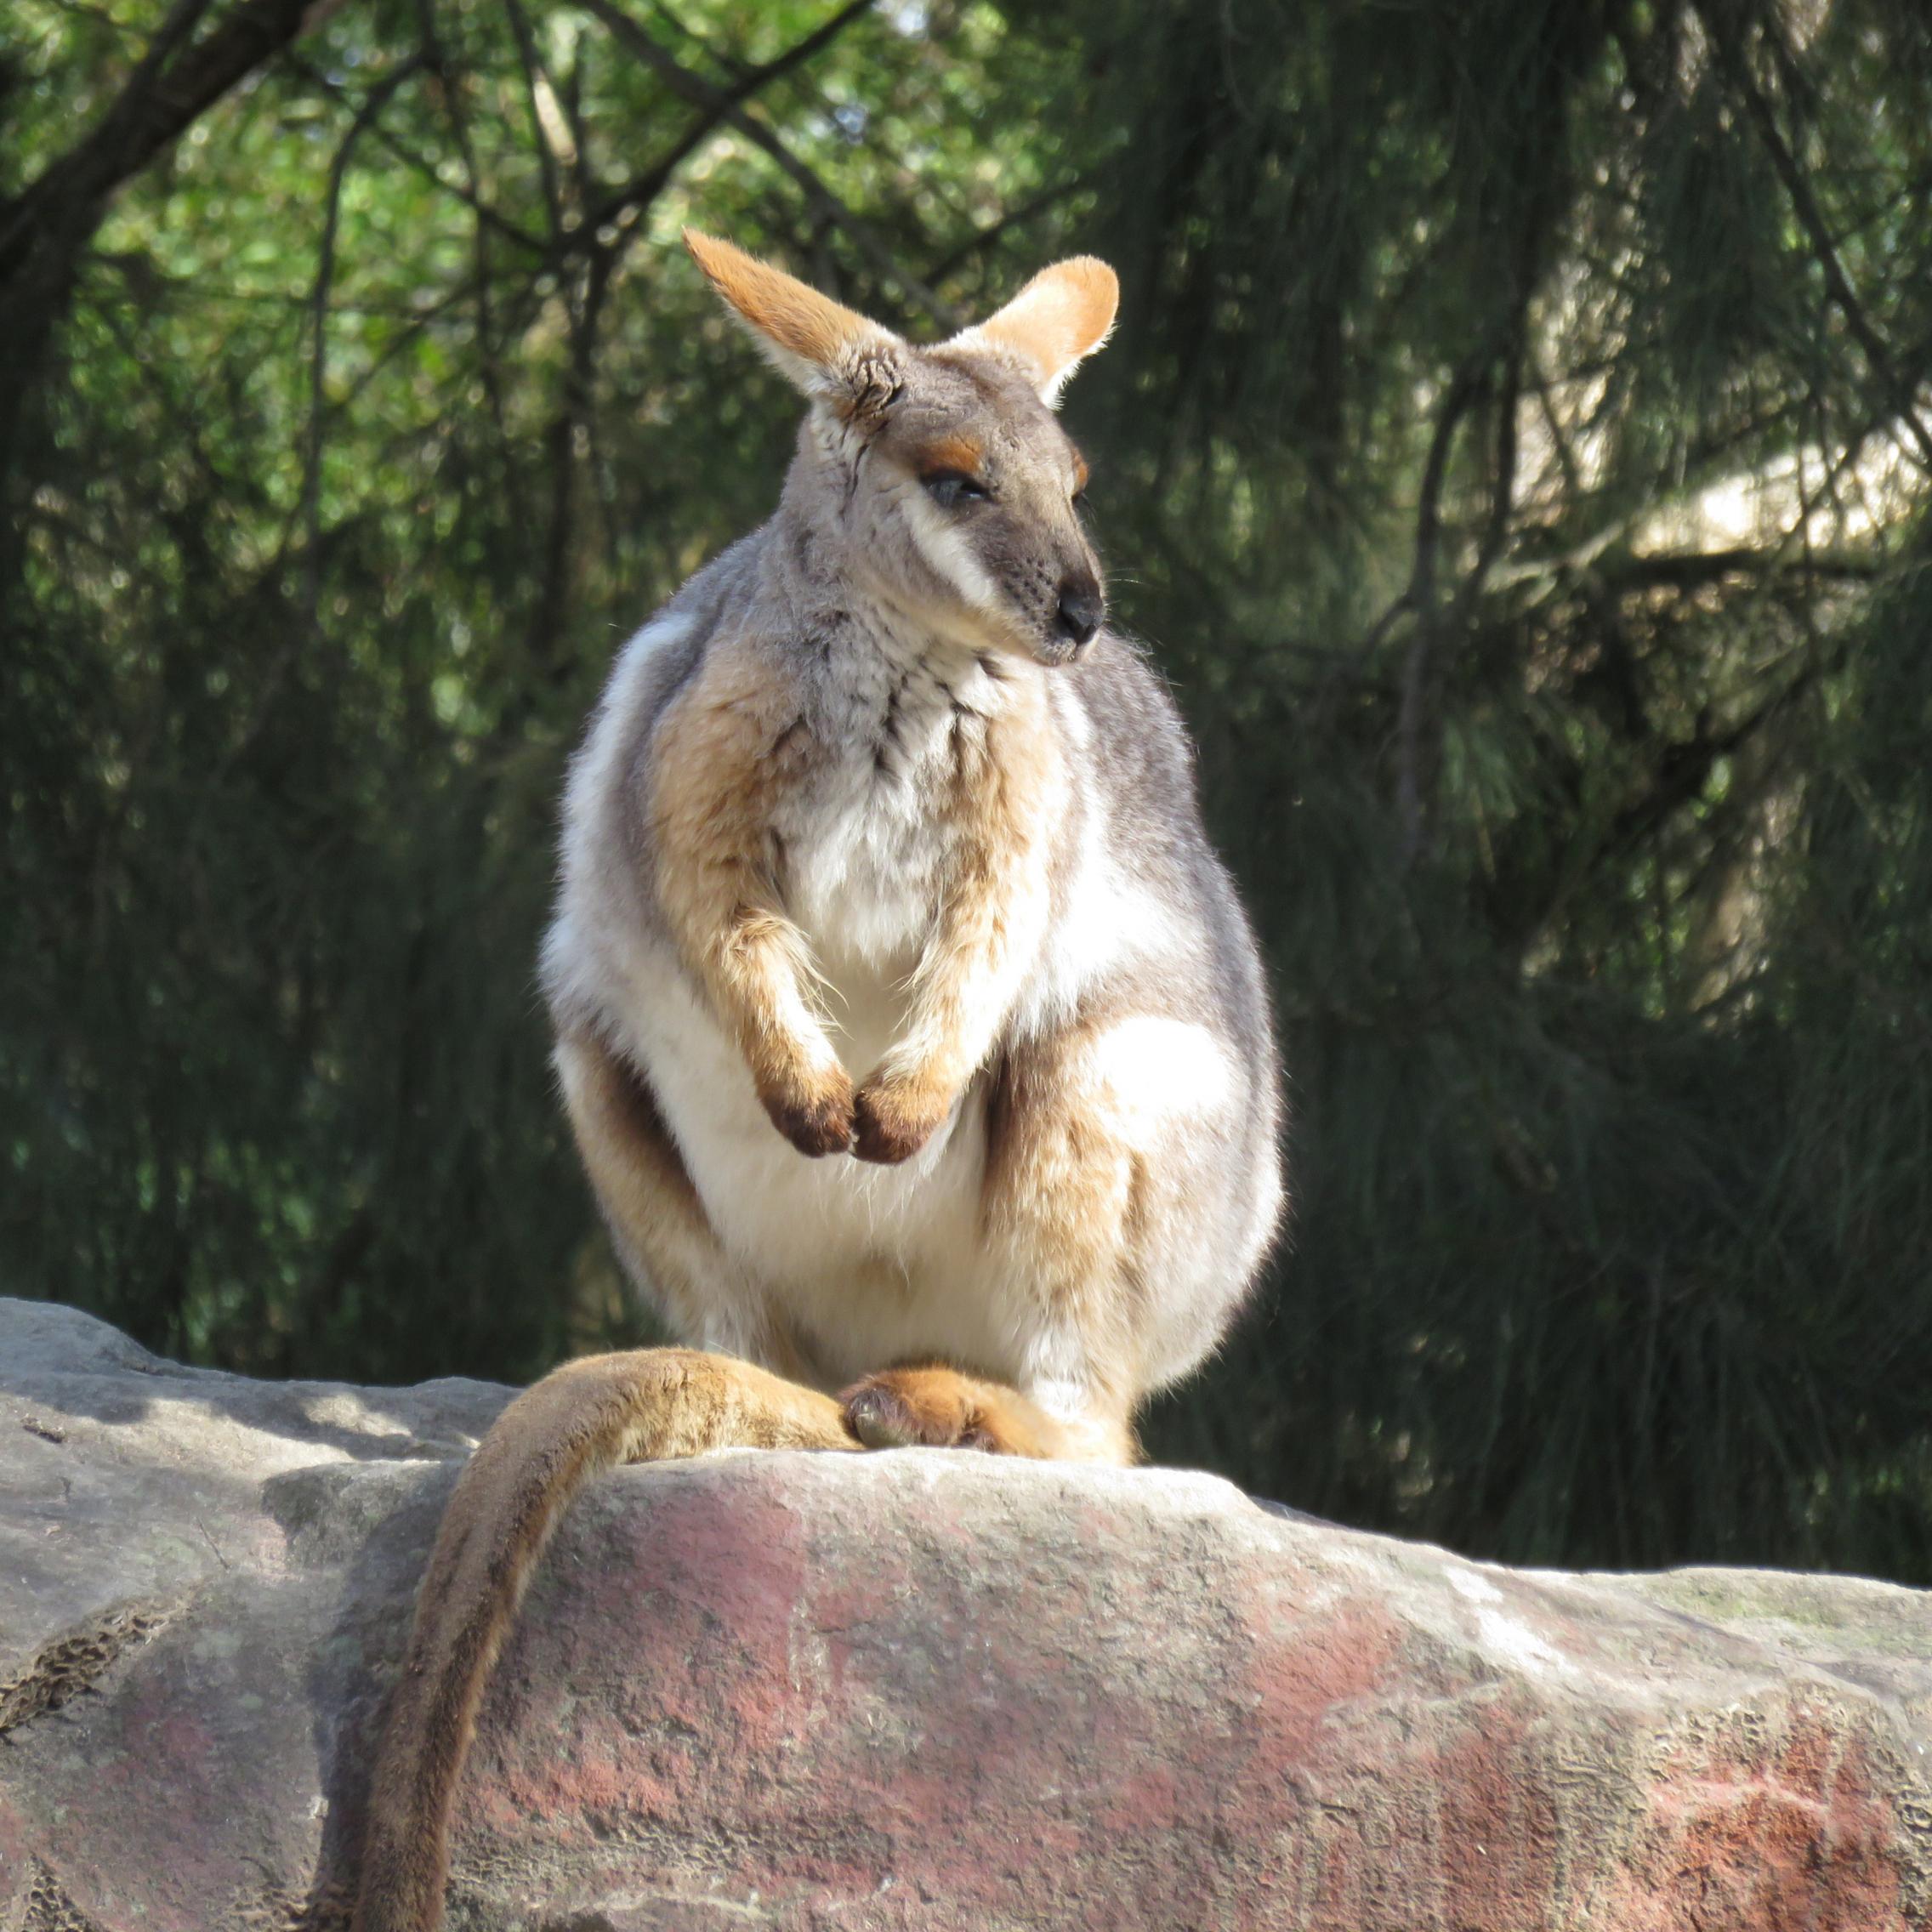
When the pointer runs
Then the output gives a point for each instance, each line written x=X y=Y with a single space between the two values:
x=1060 y=1199
x=959 y=454
x=724 y=750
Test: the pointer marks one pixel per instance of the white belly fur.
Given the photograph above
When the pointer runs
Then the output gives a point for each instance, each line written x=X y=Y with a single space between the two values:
x=871 y=1264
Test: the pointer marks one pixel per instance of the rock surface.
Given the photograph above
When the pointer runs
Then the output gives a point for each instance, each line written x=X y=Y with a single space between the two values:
x=912 y=1690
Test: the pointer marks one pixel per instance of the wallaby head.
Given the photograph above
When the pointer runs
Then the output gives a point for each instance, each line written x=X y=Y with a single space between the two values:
x=940 y=475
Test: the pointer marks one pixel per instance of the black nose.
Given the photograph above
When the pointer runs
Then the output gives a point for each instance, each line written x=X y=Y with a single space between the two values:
x=1079 y=614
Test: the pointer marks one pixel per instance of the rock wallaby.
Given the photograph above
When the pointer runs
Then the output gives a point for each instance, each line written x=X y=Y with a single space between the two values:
x=914 y=1039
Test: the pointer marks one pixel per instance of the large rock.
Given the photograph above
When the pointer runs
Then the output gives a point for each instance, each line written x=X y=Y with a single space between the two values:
x=913 y=1689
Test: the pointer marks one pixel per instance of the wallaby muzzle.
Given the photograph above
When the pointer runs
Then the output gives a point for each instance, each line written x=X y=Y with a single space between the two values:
x=1077 y=615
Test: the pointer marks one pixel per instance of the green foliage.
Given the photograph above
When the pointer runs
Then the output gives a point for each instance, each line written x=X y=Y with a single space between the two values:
x=1505 y=445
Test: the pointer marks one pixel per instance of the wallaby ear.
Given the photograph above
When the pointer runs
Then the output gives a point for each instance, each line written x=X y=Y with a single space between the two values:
x=831 y=353
x=1060 y=317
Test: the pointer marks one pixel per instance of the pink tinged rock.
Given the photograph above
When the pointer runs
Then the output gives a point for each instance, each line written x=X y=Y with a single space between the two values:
x=914 y=1690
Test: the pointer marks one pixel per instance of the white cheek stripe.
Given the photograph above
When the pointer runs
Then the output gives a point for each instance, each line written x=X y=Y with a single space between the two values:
x=949 y=554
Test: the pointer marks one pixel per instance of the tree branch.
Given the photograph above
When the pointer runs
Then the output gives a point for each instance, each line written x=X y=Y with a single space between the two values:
x=1419 y=599
x=1683 y=770
x=450 y=89
x=982 y=238
x=413 y=158
x=534 y=80
x=701 y=93
x=379 y=98
x=45 y=227
x=644 y=188
x=1693 y=569
x=160 y=101
x=1811 y=218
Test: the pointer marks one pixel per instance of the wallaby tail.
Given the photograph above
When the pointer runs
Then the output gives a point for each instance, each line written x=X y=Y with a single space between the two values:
x=588 y=1416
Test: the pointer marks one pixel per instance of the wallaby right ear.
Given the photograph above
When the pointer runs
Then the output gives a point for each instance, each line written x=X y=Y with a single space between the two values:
x=1058 y=320
x=831 y=353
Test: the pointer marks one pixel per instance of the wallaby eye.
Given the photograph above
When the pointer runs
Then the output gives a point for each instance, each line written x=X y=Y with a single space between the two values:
x=949 y=488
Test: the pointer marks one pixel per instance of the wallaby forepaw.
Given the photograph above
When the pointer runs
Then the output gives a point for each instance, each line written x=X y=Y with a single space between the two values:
x=931 y=1408
x=883 y=1415
x=892 y=1120
x=816 y=1120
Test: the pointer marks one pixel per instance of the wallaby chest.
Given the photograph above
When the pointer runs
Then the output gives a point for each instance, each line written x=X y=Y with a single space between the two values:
x=867 y=842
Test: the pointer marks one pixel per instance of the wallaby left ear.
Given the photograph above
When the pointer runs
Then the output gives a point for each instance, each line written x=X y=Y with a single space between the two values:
x=1058 y=320
x=832 y=353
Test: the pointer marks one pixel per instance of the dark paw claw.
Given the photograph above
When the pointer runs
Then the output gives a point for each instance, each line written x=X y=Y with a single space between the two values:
x=882 y=1418
x=886 y=1412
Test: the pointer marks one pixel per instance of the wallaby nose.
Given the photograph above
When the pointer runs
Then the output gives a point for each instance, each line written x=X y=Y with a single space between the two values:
x=1082 y=607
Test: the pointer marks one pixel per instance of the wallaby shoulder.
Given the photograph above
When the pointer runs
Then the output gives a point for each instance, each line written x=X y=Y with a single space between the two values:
x=608 y=848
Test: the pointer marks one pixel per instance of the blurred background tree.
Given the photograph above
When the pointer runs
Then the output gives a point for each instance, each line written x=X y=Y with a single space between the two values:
x=1515 y=446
